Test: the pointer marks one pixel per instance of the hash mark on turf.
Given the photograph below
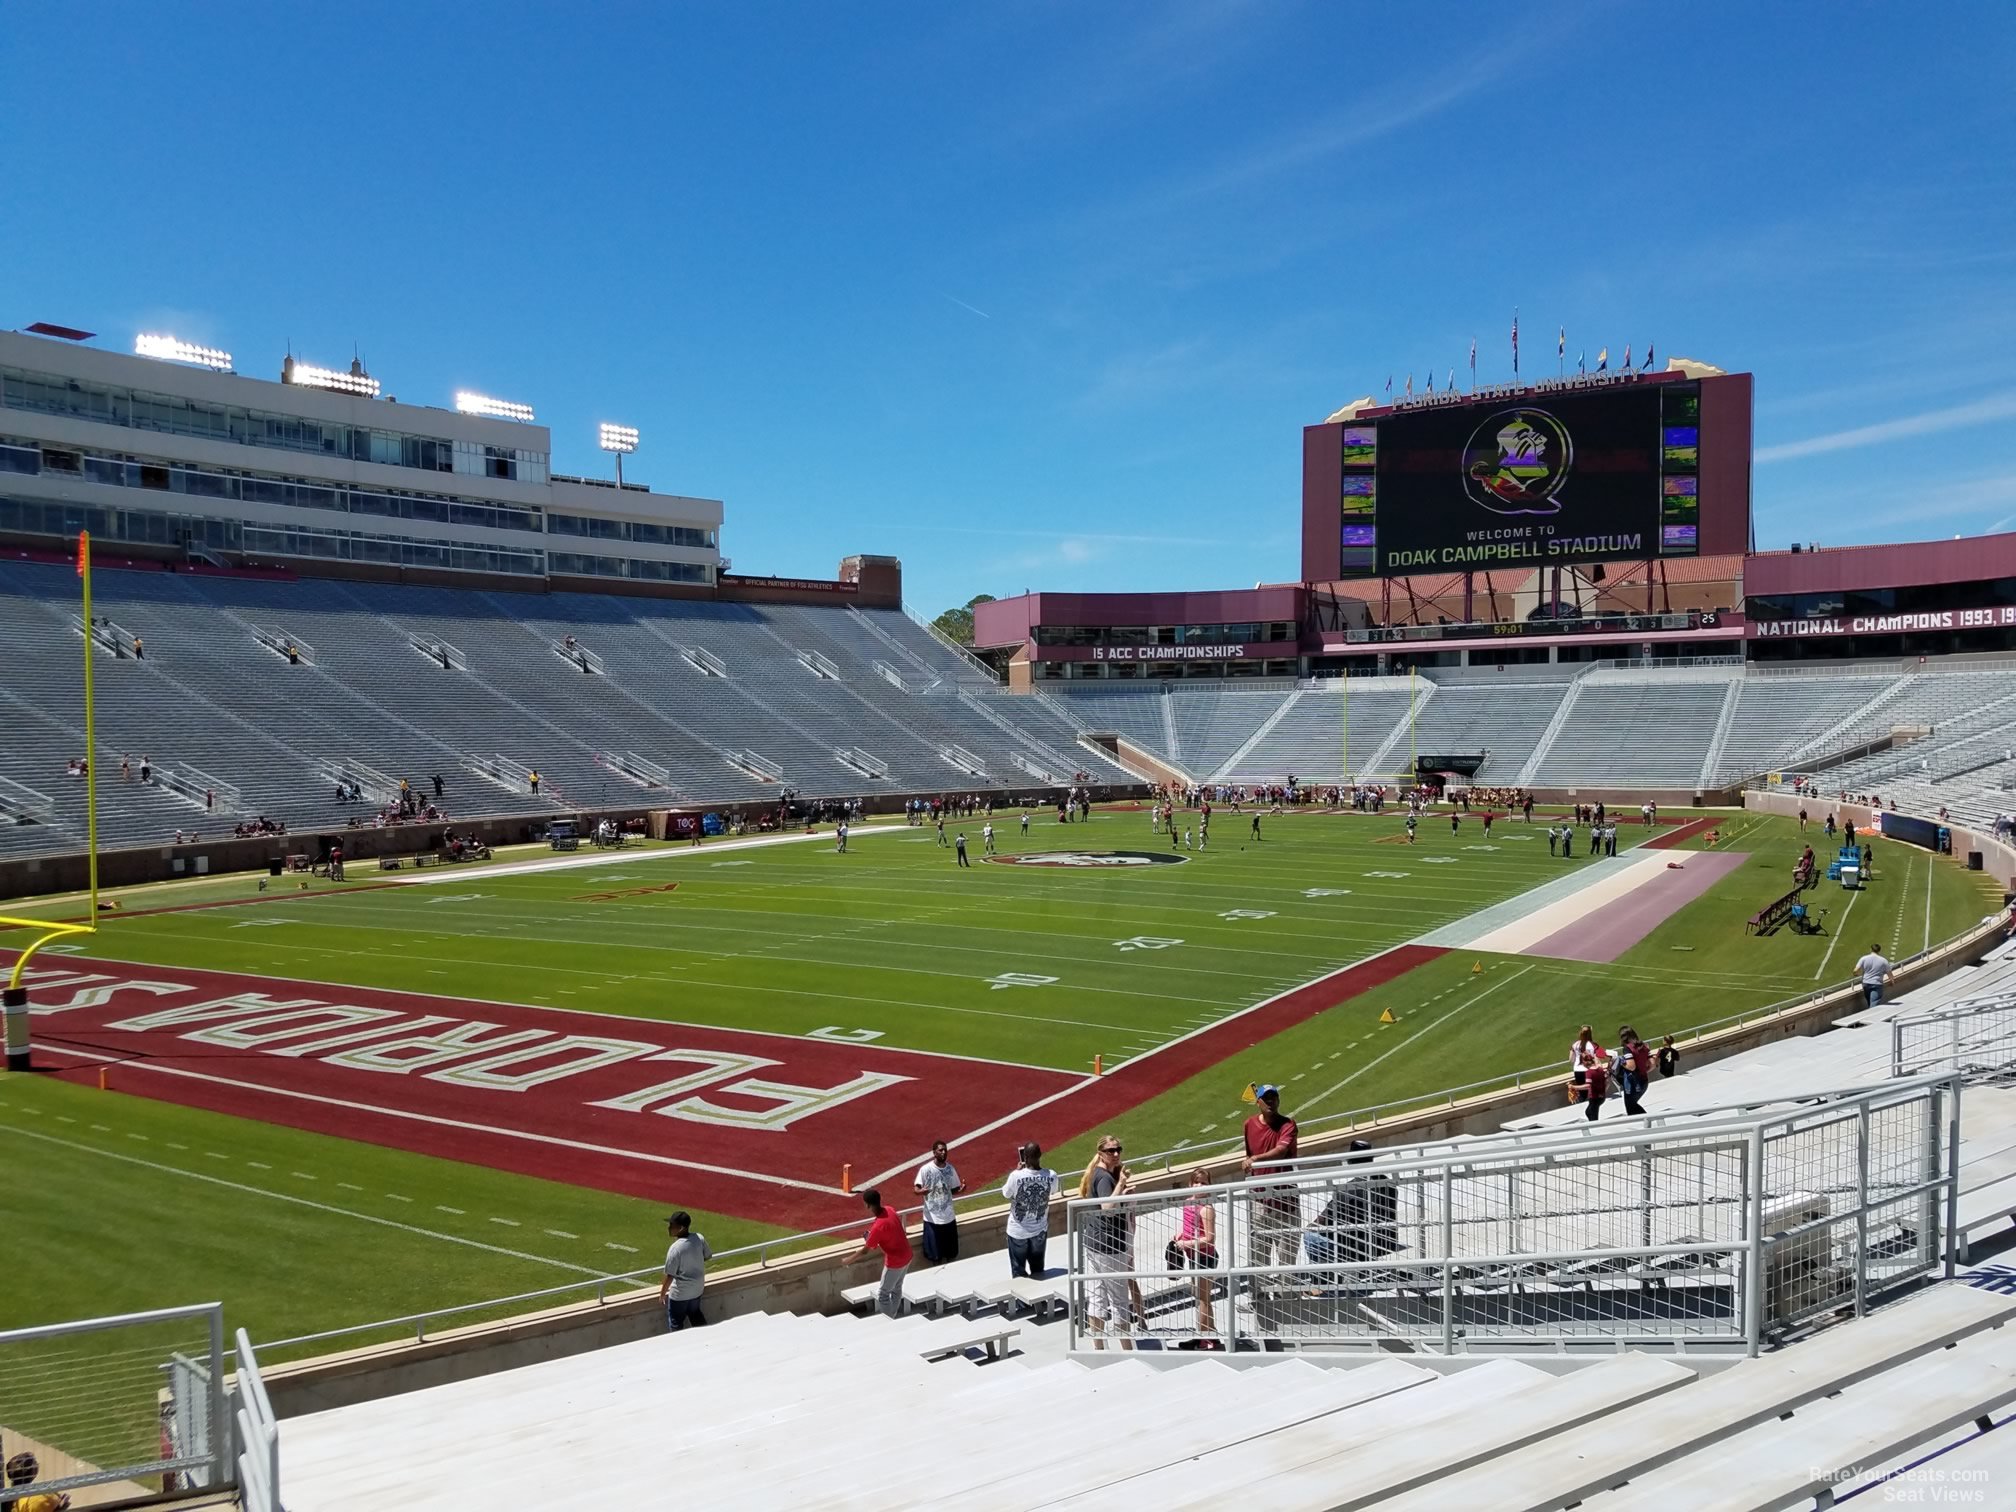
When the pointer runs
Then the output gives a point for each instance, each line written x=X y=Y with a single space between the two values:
x=174 y=1146
x=349 y=1186
x=65 y=1118
x=508 y=1222
x=562 y=1234
x=397 y=1198
x=442 y=1207
x=628 y=1249
x=141 y=1137
x=302 y=1174
x=102 y=1128
x=259 y=1165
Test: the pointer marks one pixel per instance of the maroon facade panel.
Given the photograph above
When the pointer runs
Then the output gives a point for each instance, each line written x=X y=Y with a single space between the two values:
x=1725 y=464
x=1322 y=480
x=1006 y=622
x=1969 y=560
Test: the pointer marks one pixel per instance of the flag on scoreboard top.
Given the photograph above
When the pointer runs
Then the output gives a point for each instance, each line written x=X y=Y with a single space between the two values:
x=1648 y=357
x=1627 y=354
x=1389 y=383
x=1561 y=343
x=1581 y=362
x=1431 y=380
x=1603 y=360
x=1515 y=341
x=1452 y=380
x=1410 y=385
x=1473 y=356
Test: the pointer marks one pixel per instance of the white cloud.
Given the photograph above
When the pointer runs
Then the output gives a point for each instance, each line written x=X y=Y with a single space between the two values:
x=1951 y=417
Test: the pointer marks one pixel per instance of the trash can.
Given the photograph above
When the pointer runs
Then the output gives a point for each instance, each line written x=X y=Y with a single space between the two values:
x=274 y=867
x=1973 y=860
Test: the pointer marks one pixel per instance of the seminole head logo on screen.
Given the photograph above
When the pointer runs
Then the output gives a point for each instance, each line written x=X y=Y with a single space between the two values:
x=1516 y=461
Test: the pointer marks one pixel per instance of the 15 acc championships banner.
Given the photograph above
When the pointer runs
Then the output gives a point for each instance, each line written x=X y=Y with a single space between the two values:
x=1553 y=479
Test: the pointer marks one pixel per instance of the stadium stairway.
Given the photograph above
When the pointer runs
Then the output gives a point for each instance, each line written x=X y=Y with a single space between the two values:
x=840 y=1412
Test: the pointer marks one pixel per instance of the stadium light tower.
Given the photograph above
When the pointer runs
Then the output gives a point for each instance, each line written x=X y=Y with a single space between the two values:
x=620 y=439
x=307 y=375
x=169 y=349
x=494 y=409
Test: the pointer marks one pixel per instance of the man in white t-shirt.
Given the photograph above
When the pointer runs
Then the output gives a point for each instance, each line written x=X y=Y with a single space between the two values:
x=938 y=1183
x=1875 y=972
x=987 y=837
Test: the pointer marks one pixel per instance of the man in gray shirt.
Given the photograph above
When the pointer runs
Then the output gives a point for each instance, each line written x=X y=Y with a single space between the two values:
x=685 y=1274
x=1875 y=973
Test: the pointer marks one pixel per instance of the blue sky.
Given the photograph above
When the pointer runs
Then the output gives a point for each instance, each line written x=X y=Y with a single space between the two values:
x=1041 y=295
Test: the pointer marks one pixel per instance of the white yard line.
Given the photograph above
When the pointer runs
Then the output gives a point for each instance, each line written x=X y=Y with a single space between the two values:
x=1835 y=939
x=320 y=1207
x=1317 y=1100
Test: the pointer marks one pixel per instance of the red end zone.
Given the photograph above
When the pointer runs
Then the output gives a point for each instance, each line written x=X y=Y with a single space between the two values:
x=750 y=1124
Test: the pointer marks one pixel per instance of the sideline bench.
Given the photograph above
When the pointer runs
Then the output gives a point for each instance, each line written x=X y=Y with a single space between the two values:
x=1772 y=914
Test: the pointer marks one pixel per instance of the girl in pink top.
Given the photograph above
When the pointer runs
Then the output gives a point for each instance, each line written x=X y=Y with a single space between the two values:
x=1197 y=1246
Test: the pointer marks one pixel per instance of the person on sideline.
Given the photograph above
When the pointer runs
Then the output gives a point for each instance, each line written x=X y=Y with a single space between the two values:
x=1274 y=1223
x=1874 y=970
x=1108 y=1246
x=1029 y=1188
x=685 y=1274
x=937 y=1182
x=885 y=1233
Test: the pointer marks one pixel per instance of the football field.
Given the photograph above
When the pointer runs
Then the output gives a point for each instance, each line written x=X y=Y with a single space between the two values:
x=411 y=1090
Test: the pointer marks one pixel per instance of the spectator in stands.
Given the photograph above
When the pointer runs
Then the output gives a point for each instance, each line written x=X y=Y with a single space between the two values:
x=685 y=1274
x=146 y=767
x=1274 y=1223
x=885 y=1234
x=535 y=784
x=1359 y=1222
x=1582 y=1051
x=1596 y=1085
x=293 y=655
x=937 y=1182
x=437 y=785
x=1028 y=1191
x=139 y=649
x=1669 y=1058
x=1108 y=1245
x=22 y=1470
x=1633 y=1068
x=1196 y=1245
x=126 y=768
x=1874 y=970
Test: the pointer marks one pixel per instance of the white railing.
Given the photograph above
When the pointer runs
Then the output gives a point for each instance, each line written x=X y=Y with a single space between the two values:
x=861 y=761
x=819 y=665
x=438 y=651
x=650 y=773
x=258 y=1435
x=197 y=786
x=704 y=661
x=757 y=765
x=276 y=639
x=98 y=1381
x=1711 y=1235
x=963 y=759
x=579 y=655
x=964 y=653
x=1036 y=769
x=18 y=798
x=1975 y=1039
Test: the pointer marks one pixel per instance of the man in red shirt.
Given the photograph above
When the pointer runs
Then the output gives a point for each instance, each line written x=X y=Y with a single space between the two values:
x=1274 y=1219
x=885 y=1233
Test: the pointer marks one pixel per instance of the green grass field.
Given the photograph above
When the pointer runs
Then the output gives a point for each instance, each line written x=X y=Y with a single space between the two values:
x=138 y=1203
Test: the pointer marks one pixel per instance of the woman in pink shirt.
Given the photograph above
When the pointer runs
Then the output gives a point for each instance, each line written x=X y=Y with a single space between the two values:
x=1196 y=1245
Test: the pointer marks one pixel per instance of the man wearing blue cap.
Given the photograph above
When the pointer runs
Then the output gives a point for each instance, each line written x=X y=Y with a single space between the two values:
x=1274 y=1223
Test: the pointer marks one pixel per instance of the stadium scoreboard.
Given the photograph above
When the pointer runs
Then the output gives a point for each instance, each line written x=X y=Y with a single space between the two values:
x=1627 y=467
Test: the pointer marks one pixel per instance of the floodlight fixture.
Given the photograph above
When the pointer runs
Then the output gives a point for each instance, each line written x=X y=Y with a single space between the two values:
x=307 y=375
x=618 y=438
x=494 y=409
x=169 y=349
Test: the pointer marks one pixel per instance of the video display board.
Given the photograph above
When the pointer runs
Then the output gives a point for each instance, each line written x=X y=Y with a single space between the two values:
x=1532 y=478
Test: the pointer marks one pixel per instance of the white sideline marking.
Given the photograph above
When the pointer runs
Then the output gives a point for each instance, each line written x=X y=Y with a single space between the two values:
x=320 y=1207
x=1835 y=939
x=1403 y=1044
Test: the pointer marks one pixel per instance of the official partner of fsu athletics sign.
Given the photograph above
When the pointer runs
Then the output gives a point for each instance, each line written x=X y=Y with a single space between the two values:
x=1569 y=477
x=1091 y=859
